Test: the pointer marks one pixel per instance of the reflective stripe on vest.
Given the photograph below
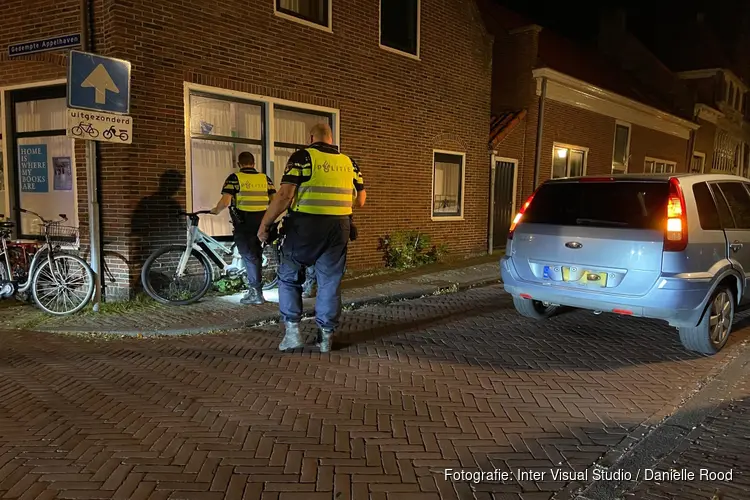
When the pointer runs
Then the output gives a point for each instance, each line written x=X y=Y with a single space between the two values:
x=329 y=190
x=253 y=195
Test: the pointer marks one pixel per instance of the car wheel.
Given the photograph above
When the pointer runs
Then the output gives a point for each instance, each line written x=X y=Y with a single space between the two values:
x=533 y=309
x=712 y=333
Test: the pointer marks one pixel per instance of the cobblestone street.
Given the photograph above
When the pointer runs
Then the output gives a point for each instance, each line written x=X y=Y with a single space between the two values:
x=456 y=381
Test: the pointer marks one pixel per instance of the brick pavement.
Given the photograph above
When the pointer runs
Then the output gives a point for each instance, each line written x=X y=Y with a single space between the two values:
x=454 y=381
x=225 y=313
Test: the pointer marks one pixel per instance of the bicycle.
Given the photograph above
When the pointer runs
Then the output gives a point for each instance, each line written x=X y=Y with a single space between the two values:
x=85 y=127
x=55 y=289
x=190 y=265
x=112 y=132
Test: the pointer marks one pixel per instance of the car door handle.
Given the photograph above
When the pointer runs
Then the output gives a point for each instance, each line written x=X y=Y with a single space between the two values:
x=736 y=246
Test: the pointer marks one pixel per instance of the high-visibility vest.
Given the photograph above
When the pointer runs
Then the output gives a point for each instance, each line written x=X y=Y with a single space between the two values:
x=329 y=190
x=253 y=195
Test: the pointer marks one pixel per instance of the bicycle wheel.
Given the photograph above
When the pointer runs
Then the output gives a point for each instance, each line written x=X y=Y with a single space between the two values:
x=63 y=288
x=161 y=283
x=270 y=266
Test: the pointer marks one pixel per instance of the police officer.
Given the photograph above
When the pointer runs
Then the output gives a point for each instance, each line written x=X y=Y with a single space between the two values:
x=317 y=190
x=247 y=193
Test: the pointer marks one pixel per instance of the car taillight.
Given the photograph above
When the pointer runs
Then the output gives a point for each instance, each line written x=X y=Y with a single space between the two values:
x=519 y=215
x=676 y=235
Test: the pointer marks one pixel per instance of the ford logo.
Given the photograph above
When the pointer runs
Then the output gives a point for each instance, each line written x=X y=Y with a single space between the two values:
x=573 y=244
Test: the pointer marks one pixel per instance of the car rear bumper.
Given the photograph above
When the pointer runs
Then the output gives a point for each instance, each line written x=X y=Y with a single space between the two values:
x=680 y=302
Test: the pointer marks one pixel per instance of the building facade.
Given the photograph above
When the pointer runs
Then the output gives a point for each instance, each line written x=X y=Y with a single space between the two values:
x=404 y=85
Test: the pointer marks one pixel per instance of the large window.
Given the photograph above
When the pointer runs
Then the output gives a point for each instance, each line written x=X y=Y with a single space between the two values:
x=621 y=152
x=399 y=25
x=221 y=128
x=698 y=162
x=312 y=11
x=727 y=151
x=43 y=158
x=657 y=166
x=448 y=180
x=568 y=161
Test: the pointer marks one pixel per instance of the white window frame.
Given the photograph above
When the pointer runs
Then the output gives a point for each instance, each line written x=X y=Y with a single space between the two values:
x=269 y=103
x=702 y=156
x=462 y=188
x=672 y=164
x=305 y=22
x=416 y=57
x=556 y=145
x=623 y=170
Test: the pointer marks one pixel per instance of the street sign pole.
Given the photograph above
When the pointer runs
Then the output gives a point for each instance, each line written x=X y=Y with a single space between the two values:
x=94 y=225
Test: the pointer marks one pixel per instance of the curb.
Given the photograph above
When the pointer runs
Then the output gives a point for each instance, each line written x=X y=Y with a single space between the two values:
x=657 y=438
x=274 y=317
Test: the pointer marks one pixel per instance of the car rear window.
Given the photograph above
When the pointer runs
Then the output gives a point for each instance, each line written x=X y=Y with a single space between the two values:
x=629 y=205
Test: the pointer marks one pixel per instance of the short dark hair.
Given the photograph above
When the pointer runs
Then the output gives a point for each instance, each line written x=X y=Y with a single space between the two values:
x=246 y=159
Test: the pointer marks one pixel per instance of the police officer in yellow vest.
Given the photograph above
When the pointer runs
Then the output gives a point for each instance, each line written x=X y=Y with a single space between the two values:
x=317 y=190
x=247 y=193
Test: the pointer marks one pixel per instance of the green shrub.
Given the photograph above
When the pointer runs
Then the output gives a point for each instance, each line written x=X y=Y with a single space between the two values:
x=230 y=285
x=407 y=249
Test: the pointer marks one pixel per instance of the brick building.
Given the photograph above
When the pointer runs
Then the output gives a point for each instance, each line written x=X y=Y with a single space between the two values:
x=592 y=117
x=405 y=86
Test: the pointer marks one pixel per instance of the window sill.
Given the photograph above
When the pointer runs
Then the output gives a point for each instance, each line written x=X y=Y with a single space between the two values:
x=447 y=218
x=304 y=22
x=401 y=52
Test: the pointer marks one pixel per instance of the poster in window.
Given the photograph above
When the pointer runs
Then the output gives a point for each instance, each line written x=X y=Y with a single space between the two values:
x=63 y=179
x=33 y=167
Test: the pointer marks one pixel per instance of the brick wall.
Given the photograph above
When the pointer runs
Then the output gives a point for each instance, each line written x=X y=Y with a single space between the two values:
x=652 y=143
x=512 y=79
x=394 y=110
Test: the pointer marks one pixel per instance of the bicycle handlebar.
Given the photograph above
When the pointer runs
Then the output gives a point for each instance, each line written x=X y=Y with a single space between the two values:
x=193 y=214
x=63 y=217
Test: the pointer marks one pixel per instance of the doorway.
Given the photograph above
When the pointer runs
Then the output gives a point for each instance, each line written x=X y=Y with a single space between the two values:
x=504 y=202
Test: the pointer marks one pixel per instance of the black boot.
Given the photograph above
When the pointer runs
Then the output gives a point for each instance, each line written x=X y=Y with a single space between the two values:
x=254 y=296
x=292 y=339
x=325 y=340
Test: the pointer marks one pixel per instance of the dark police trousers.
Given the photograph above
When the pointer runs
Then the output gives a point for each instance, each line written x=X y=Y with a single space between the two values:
x=320 y=241
x=246 y=225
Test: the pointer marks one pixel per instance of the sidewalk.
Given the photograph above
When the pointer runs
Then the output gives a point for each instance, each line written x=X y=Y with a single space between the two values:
x=225 y=313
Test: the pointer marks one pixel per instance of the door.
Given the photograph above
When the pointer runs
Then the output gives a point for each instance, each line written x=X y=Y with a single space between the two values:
x=736 y=223
x=503 y=204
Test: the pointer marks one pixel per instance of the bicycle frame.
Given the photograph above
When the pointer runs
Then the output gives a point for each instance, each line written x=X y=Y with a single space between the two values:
x=44 y=251
x=214 y=250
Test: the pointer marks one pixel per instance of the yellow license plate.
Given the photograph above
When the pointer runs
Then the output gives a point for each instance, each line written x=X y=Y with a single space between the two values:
x=584 y=277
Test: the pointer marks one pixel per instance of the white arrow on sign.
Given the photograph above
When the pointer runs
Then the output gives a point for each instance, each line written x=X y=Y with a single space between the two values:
x=100 y=80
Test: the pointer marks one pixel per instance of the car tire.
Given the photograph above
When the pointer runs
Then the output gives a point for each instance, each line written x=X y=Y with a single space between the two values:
x=706 y=338
x=533 y=309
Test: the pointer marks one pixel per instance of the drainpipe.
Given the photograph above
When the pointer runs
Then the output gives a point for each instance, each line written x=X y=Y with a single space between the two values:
x=691 y=146
x=539 y=128
x=491 y=239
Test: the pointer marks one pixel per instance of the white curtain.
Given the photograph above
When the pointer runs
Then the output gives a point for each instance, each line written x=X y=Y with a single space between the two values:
x=290 y=5
x=43 y=192
x=446 y=187
x=292 y=127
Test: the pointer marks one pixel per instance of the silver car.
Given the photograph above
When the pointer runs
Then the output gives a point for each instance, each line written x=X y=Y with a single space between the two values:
x=674 y=247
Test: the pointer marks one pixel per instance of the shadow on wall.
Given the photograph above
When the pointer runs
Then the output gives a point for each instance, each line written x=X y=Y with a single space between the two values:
x=156 y=223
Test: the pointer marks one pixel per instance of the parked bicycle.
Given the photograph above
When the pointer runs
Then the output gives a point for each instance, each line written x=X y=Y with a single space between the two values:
x=60 y=283
x=183 y=274
x=84 y=127
x=113 y=132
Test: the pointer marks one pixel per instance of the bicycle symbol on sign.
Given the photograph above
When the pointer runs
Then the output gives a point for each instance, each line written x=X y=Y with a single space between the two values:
x=84 y=127
x=112 y=132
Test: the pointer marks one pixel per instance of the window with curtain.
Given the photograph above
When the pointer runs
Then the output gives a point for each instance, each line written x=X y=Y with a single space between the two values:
x=568 y=162
x=43 y=158
x=399 y=25
x=447 y=187
x=314 y=11
x=622 y=145
x=221 y=129
x=656 y=166
x=292 y=132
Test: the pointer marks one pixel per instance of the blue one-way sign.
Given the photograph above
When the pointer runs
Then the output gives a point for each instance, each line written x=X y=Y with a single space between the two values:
x=98 y=83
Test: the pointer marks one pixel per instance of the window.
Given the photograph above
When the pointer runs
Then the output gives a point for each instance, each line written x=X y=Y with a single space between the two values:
x=447 y=188
x=657 y=166
x=222 y=127
x=399 y=25
x=725 y=214
x=43 y=158
x=625 y=204
x=738 y=200
x=726 y=152
x=707 y=211
x=568 y=161
x=622 y=148
x=698 y=162
x=316 y=12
